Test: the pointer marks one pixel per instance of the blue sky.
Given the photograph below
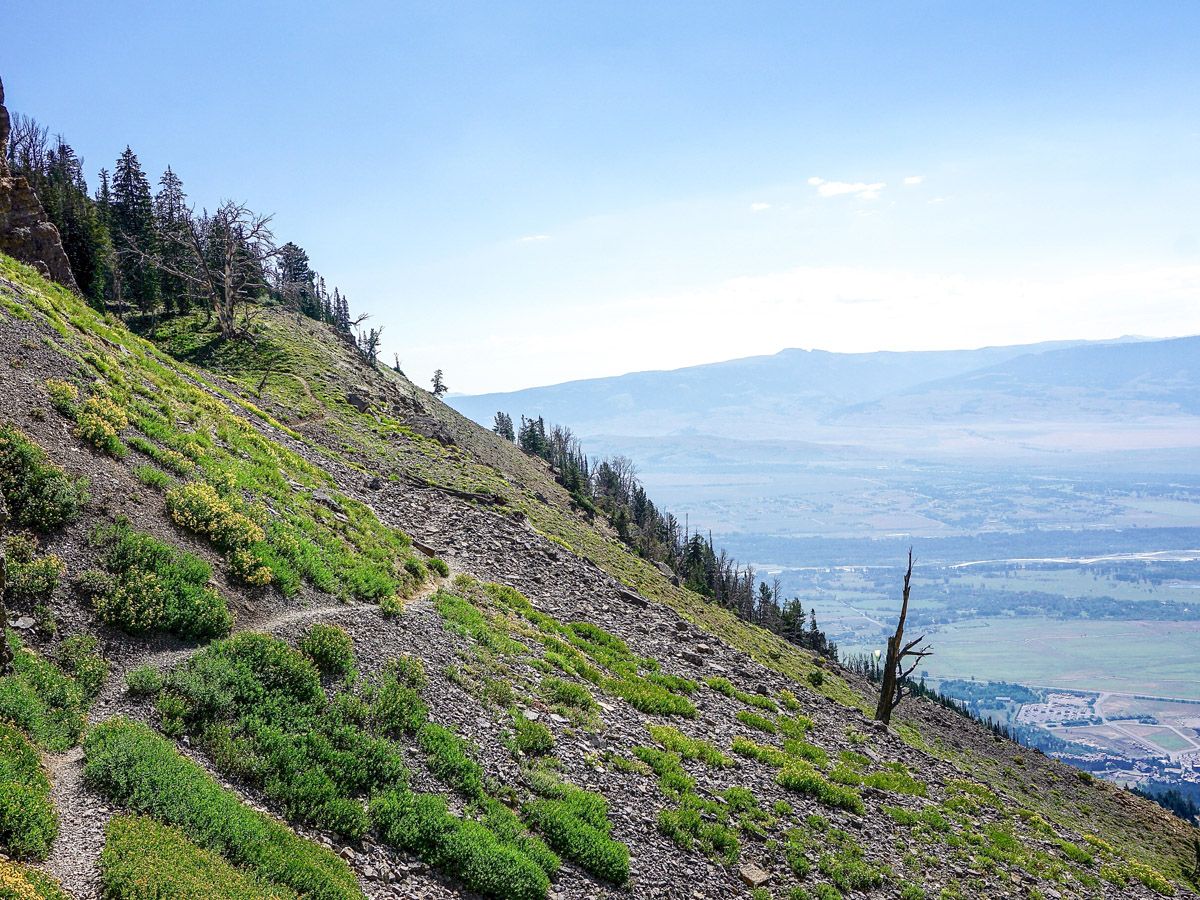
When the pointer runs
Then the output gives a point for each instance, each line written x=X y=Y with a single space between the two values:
x=524 y=193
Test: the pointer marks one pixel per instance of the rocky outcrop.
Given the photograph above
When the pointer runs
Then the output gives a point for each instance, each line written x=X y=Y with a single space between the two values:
x=26 y=232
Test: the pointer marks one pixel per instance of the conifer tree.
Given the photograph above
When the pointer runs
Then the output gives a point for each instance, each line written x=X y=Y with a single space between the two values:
x=504 y=426
x=171 y=219
x=439 y=385
x=134 y=238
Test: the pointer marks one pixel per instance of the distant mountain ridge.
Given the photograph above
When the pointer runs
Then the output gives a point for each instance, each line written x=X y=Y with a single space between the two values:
x=794 y=394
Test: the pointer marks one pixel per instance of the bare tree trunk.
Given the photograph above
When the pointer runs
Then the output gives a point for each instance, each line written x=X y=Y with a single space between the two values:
x=5 y=650
x=891 y=689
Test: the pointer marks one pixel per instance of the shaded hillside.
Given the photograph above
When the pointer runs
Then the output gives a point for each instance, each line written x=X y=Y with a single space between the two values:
x=440 y=680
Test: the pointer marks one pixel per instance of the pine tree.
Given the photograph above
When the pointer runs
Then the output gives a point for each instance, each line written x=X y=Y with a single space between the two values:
x=107 y=280
x=134 y=234
x=439 y=386
x=296 y=280
x=172 y=219
x=504 y=426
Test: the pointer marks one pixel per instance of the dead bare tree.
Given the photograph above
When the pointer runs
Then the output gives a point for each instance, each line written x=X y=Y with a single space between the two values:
x=899 y=654
x=5 y=650
x=227 y=252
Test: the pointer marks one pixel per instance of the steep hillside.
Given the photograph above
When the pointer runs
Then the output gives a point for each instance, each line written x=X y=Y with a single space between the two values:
x=306 y=631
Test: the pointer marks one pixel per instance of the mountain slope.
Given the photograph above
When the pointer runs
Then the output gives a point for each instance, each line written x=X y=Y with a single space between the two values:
x=504 y=680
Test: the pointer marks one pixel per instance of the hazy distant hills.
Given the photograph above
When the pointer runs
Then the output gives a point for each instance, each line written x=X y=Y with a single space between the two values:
x=814 y=395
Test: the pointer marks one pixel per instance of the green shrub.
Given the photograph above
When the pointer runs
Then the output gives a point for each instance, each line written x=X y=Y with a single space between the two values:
x=19 y=882
x=41 y=699
x=647 y=697
x=567 y=693
x=772 y=756
x=421 y=824
x=676 y=741
x=99 y=421
x=449 y=759
x=439 y=566
x=580 y=840
x=31 y=578
x=330 y=648
x=727 y=687
x=798 y=775
x=146 y=860
x=80 y=658
x=754 y=720
x=133 y=766
x=529 y=737
x=63 y=396
x=850 y=871
x=673 y=780
x=154 y=477
x=198 y=507
x=38 y=494
x=391 y=606
x=698 y=823
x=28 y=823
x=144 y=681
x=153 y=585
x=816 y=678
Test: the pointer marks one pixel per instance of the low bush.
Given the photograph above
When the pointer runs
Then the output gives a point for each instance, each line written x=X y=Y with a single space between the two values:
x=727 y=687
x=79 y=656
x=41 y=699
x=99 y=420
x=568 y=694
x=133 y=766
x=579 y=839
x=198 y=507
x=18 y=882
x=699 y=824
x=154 y=586
x=38 y=493
x=529 y=737
x=676 y=741
x=63 y=396
x=31 y=578
x=799 y=775
x=421 y=824
x=764 y=753
x=144 y=681
x=154 y=477
x=28 y=823
x=754 y=720
x=449 y=759
x=647 y=697
x=330 y=648
x=146 y=860
x=438 y=566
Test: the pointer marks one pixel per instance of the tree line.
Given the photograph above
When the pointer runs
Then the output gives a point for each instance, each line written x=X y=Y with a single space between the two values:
x=145 y=255
x=609 y=488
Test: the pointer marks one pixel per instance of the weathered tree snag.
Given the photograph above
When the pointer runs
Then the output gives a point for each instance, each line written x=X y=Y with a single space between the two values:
x=891 y=690
x=5 y=650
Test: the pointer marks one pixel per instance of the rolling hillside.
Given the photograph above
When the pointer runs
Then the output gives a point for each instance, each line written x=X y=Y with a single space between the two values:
x=301 y=630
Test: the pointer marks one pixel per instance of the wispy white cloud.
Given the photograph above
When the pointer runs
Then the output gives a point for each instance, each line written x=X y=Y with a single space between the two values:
x=759 y=206
x=531 y=238
x=861 y=190
x=913 y=179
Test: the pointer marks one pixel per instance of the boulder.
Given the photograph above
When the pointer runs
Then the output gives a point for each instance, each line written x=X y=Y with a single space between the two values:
x=26 y=232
